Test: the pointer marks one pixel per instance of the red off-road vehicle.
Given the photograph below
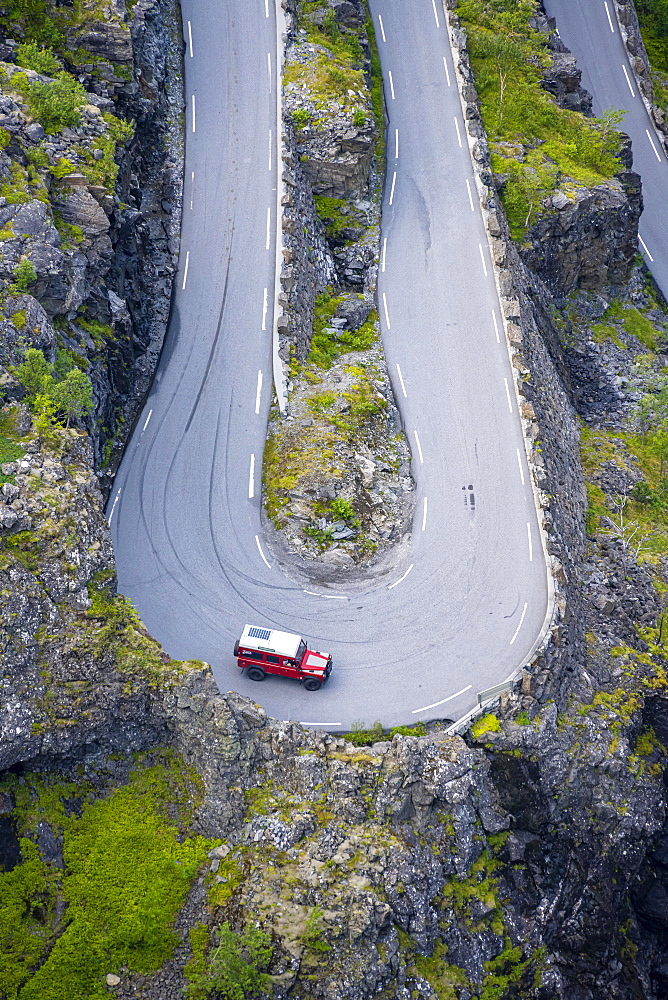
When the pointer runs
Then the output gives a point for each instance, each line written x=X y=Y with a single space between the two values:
x=262 y=651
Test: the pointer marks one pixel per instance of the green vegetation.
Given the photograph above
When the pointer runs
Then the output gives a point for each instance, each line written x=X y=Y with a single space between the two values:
x=233 y=970
x=446 y=980
x=70 y=394
x=128 y=864
x=337 y=66
x=24 y=275
x=56 y=104
x=487 y=724
x=536 y=144
x=334 y=212
x=363 y=737
x=30 y=55
x=653 y=17
x=10 y=449
x=327 y=347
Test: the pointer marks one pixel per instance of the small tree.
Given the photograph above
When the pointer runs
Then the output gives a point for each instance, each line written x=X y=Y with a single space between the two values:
x=35 y=374
x=24 y=275
x=74 y=395
x=42 y=60
x=234 y=966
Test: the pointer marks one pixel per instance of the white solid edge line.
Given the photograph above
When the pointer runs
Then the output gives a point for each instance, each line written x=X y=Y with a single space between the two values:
x=419 y=447
x=328 y=597
x=391 y=83
x=264 y=311
x=269 y=69
x=438 y=23
x=382 y=29
x=401 y=379
x=496 y=327
x=447 y=73
x=258 y=393
x=482 y=258
x=394 y=181
x=426 y=708
x=459 y=137
x=396 y=143
x=264 y=559
x=517 y=630
x=268 y=243
x=633 y=93
x=424 y=514
x=384 y=252
x=653 y=146
x=401 y=580
x=113 y=507
x=519 y=462
x=644 y=246
x=607 y=10
x=190 y=39
x=194 y=115
x=318 y=723
x=251 y=478
x=387 y=315
x=510 y=403
x=530 y=542
x=185 y=273
x=150 y=414
x=468 y=188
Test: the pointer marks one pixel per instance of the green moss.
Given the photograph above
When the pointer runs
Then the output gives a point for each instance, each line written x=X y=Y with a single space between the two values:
x=128 y=866
x=487 y=724
x=360 y=736
x=445 y=980
x=71 y=236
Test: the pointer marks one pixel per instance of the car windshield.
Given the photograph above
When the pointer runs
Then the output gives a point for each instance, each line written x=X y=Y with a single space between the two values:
x=301 y=650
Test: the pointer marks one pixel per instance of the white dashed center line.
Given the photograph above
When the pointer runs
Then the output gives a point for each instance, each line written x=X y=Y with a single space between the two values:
x=447 y=73
x=468 y=188
x=262 y=555
x=266 y=8
x=258 y=393
x=391 y=83
x=185 y=273
x=387 y=315
x=443 y=701
x=644 y=246
x=653 y=146
x=633 y=93
x=496 y=327
x=268 y=229
x=401 y=379
x=419 y=447
x=384 y=252
x=394 y=181
x=510 y=402
x=251 y=478
x=190 y=39
x=459 y=136
x=530 y=542
x=519 y=462
x=424 y=514
x=438 y=23
x=382 y=29
x=150 y=414
x=401 y=579
x=607 y=10
x=482 y=258
x=264 y=311
x=113 y=507
x=517 y=630
x=194 y=115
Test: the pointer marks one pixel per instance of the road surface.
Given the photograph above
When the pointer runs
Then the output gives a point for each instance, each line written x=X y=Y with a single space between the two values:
x=466 y=606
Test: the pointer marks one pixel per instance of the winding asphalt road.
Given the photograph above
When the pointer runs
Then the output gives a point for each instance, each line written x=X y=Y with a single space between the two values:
x=589 y=28
x=467 y=604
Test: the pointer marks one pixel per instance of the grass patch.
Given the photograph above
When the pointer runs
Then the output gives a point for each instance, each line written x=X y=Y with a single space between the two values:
x=361 y=736
x=128 y=864
x=487 y=724
x=327 y=347
x=508 y=57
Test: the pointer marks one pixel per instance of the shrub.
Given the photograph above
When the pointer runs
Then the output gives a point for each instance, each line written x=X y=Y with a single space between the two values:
x=234 y=969
x=24 y=275
x=70 y=395
x=42 y=60
x=301 y=117
x=55 y=104
x=359 y=118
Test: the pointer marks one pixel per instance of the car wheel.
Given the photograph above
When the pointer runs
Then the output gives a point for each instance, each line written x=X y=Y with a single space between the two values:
x=236 y=648
x=311 y=684
x=256 y=674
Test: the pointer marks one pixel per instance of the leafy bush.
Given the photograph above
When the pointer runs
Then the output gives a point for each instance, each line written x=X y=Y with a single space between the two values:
x=24 y=275
x=301 y=117
x=70 y=395
x=234 y=967
x=363 y=737
x=56 y=104
x=30 y=55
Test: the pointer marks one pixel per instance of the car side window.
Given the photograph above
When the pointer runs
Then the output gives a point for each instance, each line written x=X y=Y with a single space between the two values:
x=272 y=659
x=252 y=654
